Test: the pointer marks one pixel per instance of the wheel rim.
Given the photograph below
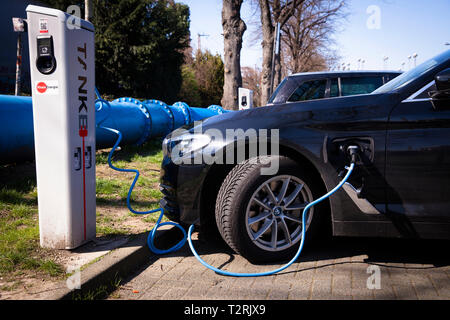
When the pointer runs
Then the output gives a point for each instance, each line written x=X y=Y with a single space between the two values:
x=274 y=213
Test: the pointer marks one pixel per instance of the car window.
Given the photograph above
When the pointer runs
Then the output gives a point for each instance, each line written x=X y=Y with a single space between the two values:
x=389 y=77
x=283 y=91
x=423 y=93
x=280 y=86
x=309 y=90
x=334 y=88
x=360 y=85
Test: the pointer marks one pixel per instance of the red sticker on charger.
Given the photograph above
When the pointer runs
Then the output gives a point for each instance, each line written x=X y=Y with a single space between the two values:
x=41 y=87
x=48 y=87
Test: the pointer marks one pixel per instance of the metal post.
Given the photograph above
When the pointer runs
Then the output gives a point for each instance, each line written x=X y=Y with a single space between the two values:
x=276 y=51
x=20 y=26
x=18 y=63
x=87 y=10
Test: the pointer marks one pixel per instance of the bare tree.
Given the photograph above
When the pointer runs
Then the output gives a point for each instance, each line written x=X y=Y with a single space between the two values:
x=251 y=79
x=272 y=13
x=307 y=35
x=233 y=31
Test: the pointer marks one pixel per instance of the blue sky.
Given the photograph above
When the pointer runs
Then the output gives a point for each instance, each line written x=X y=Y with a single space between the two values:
x=403 y=28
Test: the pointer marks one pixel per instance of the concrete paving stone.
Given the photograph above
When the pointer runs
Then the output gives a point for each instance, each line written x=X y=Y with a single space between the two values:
x=199 y=274
x=244 y=281
x=175 y=283
x=198 y=291
x=442 y=284
x=259 y=293
x=385 y=293
x=216 y=293
x=397 y=277
x=176 y=273
x=175 y=293
x=363 y=293
x=342 y=269
x=239 y=293
x=360 y=276
x=305 y=274
x=405 y=291
x=226 y=283
x=321 y=289
x=301 y=289
x=360 y=258
x=141 y=284
x=423 y=286
x=324 y=272
x=154 y=293
x=324 y=264
x=341 y=286
x=280 y=291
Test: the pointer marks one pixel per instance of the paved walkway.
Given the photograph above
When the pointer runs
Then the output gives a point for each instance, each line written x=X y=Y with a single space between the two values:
x=346 y=269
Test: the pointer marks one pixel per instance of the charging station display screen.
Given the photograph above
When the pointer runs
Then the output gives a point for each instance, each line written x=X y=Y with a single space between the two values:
x=44 y=46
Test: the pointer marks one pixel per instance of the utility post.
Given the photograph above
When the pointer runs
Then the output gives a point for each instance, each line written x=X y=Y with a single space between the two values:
x=199 y=41
x=87 y=10
x=276 y=52
x=20 y=26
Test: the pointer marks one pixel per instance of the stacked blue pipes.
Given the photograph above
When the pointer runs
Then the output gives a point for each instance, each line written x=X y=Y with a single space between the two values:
x=138 y=121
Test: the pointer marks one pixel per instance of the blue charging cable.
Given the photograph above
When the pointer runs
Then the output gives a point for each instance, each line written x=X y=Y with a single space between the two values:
x=188 y=237
x=272 y=272
x=151 y=236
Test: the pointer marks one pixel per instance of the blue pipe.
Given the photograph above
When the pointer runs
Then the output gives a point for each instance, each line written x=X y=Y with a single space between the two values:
x=16 y=129
x=139 y=122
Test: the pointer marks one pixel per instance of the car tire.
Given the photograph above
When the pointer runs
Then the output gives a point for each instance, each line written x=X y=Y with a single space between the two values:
x=263 y=227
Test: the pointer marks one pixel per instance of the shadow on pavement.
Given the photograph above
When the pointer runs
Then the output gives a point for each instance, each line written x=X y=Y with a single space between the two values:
x=378 y=250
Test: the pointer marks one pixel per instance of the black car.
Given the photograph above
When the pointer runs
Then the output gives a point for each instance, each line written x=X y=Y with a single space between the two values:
x=332 y=84
x=400 y=187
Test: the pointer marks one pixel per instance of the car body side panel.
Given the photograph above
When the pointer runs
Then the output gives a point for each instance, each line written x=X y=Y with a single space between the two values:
x=418 y=171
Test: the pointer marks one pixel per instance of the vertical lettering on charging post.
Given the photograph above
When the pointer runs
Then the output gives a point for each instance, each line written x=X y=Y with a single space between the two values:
x=83 y=122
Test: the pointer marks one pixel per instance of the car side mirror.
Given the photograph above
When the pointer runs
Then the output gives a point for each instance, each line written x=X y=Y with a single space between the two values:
x=441 y=97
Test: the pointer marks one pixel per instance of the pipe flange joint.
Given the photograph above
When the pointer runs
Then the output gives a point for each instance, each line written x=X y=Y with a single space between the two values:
x=166 y=110
x=148 y=118
x=216 y=108
x=186 y=110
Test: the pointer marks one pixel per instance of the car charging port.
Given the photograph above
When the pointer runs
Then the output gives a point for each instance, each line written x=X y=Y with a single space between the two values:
x=353 y=152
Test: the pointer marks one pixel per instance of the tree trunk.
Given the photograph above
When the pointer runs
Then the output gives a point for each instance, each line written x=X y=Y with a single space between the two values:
x=268 y=31
x=233 y=31
x=272 y=12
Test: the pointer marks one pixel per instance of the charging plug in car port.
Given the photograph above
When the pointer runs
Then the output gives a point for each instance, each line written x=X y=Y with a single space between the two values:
x=357 y=149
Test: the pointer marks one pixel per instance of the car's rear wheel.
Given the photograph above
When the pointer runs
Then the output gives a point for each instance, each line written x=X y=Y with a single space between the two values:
x=260 y=217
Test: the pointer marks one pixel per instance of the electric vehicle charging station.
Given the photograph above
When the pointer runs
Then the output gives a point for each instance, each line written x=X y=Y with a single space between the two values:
x=245 y=99
x=62 y=69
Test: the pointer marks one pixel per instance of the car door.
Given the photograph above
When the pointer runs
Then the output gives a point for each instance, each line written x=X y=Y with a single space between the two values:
x=418 y=166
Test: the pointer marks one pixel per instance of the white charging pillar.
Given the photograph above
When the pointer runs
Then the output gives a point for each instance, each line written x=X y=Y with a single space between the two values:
x=245 y=98
x=63 y=79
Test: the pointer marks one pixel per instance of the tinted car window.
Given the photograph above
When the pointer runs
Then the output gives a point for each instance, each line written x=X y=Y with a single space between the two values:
x=426 y=93
x=309 y=90
x=334 y=88
x=283 y=91
x=360 y=85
